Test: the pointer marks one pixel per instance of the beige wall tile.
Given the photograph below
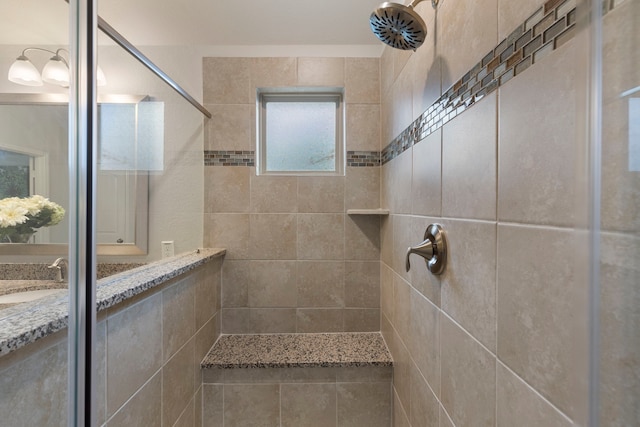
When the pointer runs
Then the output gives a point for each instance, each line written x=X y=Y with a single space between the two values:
x=402 y=308
x=235 y=283
x=272 y=72
x=321 y=284
x=177 y=383
x=321 y=236
x=187 y=418
x=35 y=390
x=424 y=66
x=197 y=409
x=312 y=320
x=178 y=316
x=273 y=236
x=272 y=284
x=321 y=194
x=310 y=405
x=362 y=284
x=386 y=119
x=207 y=289
x=362 y=80
x=362 y=237
x=424 y=342
x=274 y=194
x=401 y=113
x=230 y=127
x=403 y=238
x=364 y=374
x=401 y=195
x=402 y=366
x=469 y=163
x=620 y=202
x=227 y=81
x=619 y=342
x=321 y=71
x=227 y=189
x=467 y=31
x=512 y=13
x=386 y=239
x=363 y=127
x=620 y=58
x=387 y=76
x=426 y=180
x=519 y=404
x=362 y=188
x=469 y=280
x=229 y=231
x=144 y=408
x=386 y=290
x=445 y=421
x=537 y=144
x=542 y=312
x=254 y=405
x=361 y=319
x=212 y=405
x=400 y=59
x=364 y=404
x=258 y=320
x=400 y=417
x=425 y=409
x=204 y=339
x=133 y=334
x=468 y=390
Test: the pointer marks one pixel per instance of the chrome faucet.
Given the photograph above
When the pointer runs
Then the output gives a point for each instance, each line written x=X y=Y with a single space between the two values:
x=62 y=269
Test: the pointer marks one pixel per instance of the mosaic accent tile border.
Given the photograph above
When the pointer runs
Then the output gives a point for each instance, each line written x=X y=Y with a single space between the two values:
x=247 y=158
x=552 y=25
x=363 y=158
x=229 y=158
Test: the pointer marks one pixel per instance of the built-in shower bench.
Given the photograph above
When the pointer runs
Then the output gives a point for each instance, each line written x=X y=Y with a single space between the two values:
x=329 y=379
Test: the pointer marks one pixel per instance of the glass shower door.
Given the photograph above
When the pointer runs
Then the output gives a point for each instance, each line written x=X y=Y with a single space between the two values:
x=616 y=211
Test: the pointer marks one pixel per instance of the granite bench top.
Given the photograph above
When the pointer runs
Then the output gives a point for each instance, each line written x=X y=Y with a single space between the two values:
x=28 y=322
x=298 y=350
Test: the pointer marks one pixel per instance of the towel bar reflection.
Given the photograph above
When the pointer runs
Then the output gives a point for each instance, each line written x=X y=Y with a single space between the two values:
x=433 y=249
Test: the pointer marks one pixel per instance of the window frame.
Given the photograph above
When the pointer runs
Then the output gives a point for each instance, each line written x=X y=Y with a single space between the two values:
x=299 y=94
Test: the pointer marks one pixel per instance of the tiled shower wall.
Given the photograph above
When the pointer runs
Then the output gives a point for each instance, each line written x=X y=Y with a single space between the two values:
x=501 y=337
x=296 y=262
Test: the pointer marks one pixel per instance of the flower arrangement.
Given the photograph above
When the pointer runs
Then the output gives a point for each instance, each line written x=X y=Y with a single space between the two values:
x=20 y=217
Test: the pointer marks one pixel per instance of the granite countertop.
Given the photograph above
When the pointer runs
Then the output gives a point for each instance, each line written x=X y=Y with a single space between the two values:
x=28 y=322
x=344 y=349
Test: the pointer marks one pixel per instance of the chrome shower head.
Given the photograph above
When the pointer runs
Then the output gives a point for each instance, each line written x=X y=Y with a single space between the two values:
x=398 y=25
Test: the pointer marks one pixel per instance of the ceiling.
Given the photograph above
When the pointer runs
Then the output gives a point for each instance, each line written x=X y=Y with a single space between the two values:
x=200 y=22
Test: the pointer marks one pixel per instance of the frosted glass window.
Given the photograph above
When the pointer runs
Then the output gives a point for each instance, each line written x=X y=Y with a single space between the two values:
x=300 y=133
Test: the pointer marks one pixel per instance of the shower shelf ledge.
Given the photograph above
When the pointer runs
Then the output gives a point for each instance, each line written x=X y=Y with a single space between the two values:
x=302 y=350
x=381 y=212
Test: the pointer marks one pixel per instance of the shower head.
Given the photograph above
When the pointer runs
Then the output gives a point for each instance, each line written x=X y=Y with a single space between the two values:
x=398 y=25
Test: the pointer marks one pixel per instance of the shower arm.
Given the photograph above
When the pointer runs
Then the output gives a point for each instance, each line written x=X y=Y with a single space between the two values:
x=414 y=3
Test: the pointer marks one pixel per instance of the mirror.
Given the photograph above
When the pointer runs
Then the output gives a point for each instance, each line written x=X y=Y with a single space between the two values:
x=33 y=161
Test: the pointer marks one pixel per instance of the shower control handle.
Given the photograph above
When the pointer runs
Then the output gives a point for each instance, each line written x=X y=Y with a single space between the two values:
x=433 y=249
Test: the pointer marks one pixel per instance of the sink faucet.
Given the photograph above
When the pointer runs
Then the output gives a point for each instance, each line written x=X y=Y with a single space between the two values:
x=62 y=269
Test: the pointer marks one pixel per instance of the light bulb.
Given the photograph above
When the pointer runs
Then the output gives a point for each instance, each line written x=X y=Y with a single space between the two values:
x=23 y=72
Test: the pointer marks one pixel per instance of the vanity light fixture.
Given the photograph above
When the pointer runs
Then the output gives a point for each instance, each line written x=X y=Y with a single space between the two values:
x=55 y=71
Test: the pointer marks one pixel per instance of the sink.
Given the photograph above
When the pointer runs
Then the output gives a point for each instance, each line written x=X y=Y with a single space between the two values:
x=20 y=297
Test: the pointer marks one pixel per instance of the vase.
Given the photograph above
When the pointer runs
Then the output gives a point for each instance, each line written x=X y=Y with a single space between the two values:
x=16 y=237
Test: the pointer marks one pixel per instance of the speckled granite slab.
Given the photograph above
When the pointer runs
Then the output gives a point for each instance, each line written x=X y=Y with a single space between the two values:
x=298 y=350
x=28 y=322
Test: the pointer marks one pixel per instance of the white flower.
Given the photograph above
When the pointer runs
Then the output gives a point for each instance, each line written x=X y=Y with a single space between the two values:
x=12 y=215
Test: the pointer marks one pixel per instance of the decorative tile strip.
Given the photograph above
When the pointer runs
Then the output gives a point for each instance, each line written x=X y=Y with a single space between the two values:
x=363 y=158
x=552 y=25
x=229 y=158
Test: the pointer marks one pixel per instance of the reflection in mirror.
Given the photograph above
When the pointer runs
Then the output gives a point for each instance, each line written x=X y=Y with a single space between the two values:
x=33 y=161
